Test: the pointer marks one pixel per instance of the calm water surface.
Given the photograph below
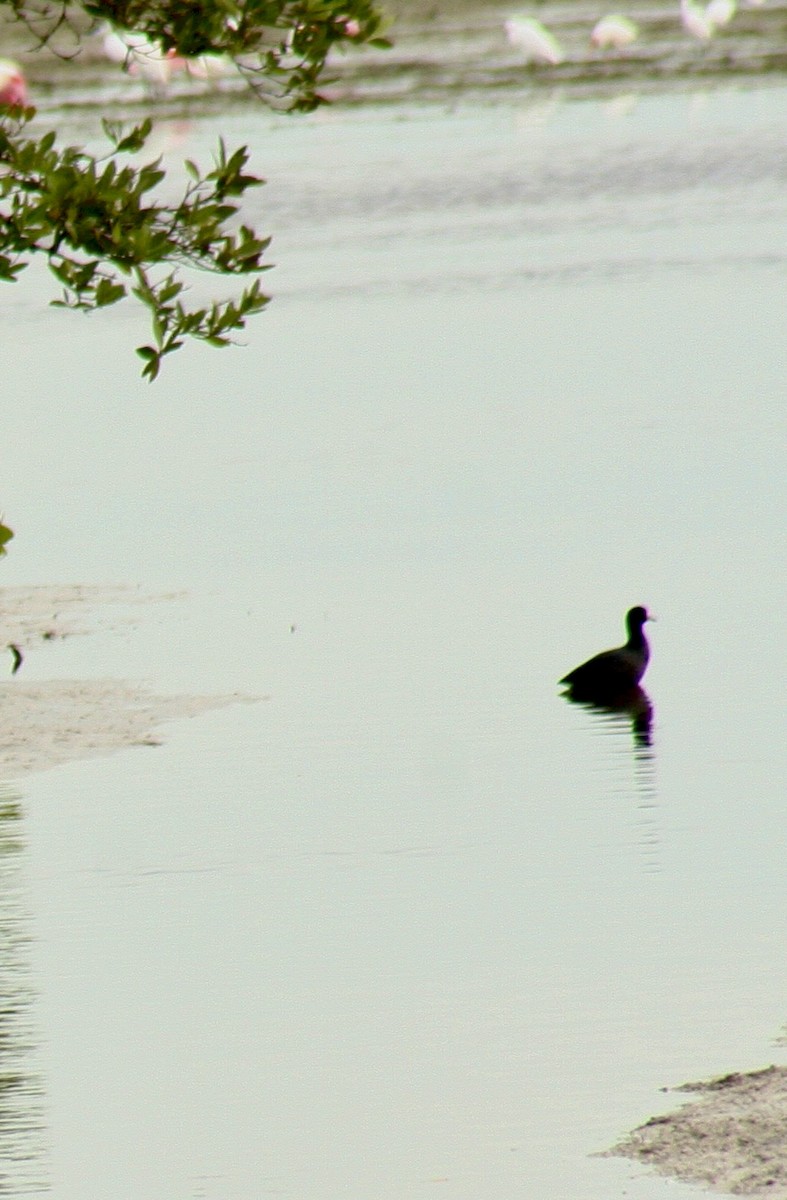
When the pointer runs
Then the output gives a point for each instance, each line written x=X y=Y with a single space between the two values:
x=411 y=925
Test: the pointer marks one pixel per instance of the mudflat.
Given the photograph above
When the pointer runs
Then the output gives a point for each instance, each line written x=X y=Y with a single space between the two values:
x=53 y=721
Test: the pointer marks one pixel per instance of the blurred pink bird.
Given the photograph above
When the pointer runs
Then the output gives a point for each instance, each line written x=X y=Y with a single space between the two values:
x=146 y=60
x=721 y=12
x=13 y=86
x=536 y=43
x=139 y=56
x=613 y=32
x=696 y=21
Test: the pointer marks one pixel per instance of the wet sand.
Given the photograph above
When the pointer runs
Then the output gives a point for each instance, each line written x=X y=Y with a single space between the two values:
x=732 y=1139
x=49 y=722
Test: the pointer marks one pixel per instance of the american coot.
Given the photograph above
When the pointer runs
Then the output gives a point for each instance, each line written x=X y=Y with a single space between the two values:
x=614 y=672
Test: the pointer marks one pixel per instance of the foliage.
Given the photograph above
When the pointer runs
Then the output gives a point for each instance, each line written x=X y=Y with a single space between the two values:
x=280 y=45
x=98 y=223
x=103 y=237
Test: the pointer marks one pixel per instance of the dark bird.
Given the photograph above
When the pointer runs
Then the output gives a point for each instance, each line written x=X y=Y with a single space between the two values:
x=613 y=672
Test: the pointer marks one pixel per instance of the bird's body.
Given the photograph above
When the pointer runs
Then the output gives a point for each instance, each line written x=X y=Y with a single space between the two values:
x=721 y=12
x=146 y=60
x=209 y=67
x=13 y=87
x=614 y=672
x=696 y=20
x=534 y=41
x=142 y=57
x=613 y=32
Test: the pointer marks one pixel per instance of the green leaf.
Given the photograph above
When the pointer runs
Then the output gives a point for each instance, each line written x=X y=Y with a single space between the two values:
x=135 y=139
x=108 y=292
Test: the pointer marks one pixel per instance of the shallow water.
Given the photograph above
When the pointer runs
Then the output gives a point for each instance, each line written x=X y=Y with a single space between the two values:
x=411 y=923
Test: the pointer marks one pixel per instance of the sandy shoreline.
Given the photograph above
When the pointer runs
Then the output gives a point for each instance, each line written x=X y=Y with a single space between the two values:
x=50 y=722
x=733 y=1139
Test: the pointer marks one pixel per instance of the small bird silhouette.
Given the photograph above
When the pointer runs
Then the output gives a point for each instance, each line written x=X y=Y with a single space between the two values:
x=613 y=672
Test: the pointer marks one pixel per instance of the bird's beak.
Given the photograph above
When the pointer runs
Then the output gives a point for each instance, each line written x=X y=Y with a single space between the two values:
x=650 y=617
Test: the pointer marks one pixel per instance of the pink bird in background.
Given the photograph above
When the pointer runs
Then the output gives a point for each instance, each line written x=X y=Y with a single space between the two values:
x=146 y=60
x=139 y=56
x=613 y=32
x=536 y=43
x=13 y=86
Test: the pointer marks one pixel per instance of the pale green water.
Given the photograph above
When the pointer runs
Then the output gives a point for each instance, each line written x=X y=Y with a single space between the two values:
x=411 y=925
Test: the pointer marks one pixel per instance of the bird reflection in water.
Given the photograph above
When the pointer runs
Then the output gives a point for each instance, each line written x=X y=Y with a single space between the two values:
x=632 y=704
x=612 y=714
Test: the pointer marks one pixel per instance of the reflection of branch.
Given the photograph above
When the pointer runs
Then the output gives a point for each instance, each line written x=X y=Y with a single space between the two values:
x=21 y=1118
